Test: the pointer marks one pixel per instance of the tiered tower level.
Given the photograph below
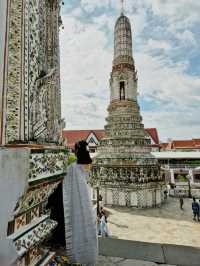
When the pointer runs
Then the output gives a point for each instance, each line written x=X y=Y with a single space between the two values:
x=125 y=170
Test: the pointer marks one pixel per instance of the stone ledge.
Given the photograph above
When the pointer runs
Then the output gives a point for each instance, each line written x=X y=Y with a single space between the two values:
x=163 y=254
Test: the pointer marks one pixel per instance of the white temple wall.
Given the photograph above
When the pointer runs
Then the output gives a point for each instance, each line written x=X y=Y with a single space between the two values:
x=109 y=197
x=131 y=90
x=134 y=199
x=122 y=201
x=13 y=179
x=149 y=197
x=115 y=89
x=139 y=198
x=3 y=14
x=3 y=8
x=130 y=87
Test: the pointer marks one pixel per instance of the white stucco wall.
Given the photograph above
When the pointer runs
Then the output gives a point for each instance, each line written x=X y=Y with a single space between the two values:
x=130 y=87
x=3 y=7
x=14 y=167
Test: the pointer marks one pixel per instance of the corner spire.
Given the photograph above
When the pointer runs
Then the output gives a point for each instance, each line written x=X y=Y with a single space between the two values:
x=122 y=7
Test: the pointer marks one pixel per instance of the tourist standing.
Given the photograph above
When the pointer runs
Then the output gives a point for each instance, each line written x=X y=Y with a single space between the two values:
x=102 y=210
x=195 y=209
x=181 y=202
x=103 y=225
x=99 y=224
x=80 y=221
x=199 y=208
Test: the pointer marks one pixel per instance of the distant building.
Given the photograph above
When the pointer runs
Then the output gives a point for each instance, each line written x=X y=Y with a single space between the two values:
x=181 y=145
x=93 y=137
x=181 y=168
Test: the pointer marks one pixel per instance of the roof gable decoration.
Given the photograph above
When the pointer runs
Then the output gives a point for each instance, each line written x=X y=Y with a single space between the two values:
x=149 y=137
x=153 y=135
x=92 y=139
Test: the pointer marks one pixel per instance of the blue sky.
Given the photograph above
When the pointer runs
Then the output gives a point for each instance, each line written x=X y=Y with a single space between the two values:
x=166 y=50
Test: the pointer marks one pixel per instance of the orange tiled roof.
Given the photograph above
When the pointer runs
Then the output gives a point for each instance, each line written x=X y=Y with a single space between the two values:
x=181 y=144
x=163 y=145
x=73 y=136
x=187 y=144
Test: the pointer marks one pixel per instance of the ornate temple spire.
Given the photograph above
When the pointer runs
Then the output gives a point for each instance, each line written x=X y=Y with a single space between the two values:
x=123 y=81
x=122 y=40
x=122 y=7
x=127 y=173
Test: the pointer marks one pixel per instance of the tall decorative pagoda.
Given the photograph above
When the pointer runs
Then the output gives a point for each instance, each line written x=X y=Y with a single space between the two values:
x=31 y=161
x=124 y=169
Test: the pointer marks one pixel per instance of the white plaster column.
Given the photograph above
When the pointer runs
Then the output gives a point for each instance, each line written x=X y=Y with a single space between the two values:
x=122 y=201
x=3 y=16
x=172 y=176
x=191 y=176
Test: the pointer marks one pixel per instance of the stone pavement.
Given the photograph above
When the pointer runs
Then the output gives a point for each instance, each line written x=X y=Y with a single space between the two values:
x=109 y=261
x=167 y=224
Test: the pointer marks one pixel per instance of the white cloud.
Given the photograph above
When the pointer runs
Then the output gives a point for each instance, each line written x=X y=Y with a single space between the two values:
x=91 y=5
x=176 y=125
x=186 y=37
x=155 y=44
x=166 y=82
x=86 y=62
x=85 y=67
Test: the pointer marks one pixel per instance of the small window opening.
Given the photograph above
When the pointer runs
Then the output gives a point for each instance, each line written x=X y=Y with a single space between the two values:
x=122 y=90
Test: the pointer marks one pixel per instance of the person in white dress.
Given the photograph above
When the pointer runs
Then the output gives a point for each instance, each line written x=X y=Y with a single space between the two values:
x=103 y=225
x=80 y=221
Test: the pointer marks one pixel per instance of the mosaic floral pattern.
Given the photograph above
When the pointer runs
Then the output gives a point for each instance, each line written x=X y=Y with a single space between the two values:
x=20 y=221
x=34 y=236
x=46 y=164
x=35 y=196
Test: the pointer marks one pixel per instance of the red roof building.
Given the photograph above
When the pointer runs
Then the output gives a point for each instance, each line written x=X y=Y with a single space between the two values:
x=182 y=145
x=93 y=137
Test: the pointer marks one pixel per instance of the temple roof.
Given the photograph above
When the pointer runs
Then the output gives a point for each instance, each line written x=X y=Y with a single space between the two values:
x=74 y=136
x=182 y=144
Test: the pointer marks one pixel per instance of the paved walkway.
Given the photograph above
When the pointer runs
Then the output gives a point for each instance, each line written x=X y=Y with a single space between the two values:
x=109 y=261
x=167 y=224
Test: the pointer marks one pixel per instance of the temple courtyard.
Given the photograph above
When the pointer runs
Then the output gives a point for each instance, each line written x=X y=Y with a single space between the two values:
x=167 y=224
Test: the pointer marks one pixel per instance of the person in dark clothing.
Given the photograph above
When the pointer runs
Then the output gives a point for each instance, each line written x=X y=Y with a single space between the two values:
x=81 y=152
x=195 y=209
x=181 y=203
x=55 y=204
x=103 y=212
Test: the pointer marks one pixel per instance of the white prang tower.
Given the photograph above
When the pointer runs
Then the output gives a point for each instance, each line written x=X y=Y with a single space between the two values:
x=124 y=169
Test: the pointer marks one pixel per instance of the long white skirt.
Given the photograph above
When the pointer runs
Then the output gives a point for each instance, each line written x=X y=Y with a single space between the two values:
x=80 y=221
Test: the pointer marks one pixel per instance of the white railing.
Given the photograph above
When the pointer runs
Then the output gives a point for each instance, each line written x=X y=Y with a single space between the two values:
x=181 y=166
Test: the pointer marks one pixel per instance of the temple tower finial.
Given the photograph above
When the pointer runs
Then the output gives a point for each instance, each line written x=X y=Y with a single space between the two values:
x=122 y=7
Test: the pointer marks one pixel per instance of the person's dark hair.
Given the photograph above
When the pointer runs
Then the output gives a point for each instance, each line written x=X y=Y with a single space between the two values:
x=82 y=154
x=194 y=199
